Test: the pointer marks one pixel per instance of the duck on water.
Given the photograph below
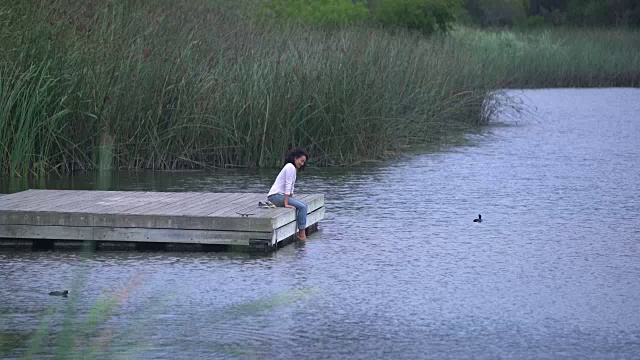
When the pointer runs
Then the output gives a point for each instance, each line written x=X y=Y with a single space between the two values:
x=59 y=293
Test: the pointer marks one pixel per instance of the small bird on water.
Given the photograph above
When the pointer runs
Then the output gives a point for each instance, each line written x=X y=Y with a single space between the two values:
x=59 y=293
x=479 y=219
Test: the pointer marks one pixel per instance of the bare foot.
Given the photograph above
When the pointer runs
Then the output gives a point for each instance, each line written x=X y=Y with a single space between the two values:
x=301 y=238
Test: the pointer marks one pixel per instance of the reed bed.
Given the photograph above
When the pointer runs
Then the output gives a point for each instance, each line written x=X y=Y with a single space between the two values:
x=558 y=57
x=189 y=84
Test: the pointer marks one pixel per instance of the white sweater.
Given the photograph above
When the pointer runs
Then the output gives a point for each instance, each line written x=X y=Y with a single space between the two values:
x=285 y=181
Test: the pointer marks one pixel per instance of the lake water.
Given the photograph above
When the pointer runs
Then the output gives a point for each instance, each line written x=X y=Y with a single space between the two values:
x=398 y=269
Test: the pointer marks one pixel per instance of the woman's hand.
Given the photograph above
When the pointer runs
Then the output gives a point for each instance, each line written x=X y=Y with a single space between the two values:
x=286 y=201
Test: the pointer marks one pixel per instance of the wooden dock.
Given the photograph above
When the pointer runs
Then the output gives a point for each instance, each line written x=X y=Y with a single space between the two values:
x=57 y=219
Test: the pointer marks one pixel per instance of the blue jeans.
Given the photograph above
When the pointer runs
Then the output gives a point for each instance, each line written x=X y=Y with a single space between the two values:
x=301 y=208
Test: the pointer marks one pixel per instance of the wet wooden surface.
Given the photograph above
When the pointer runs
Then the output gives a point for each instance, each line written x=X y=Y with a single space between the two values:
x=165 y=217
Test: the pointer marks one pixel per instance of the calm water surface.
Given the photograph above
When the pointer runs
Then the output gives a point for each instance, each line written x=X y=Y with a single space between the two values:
x=398 y=269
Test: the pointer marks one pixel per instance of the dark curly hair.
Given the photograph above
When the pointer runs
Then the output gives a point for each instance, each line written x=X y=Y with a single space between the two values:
x=293 y=155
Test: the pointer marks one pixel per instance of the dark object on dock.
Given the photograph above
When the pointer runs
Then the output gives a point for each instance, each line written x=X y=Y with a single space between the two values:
x=244 y=215
x=59 y=293
x=479 y=219
x=266 y=205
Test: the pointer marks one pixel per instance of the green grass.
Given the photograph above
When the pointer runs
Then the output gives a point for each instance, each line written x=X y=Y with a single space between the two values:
x=558 y=57
x=189 y=84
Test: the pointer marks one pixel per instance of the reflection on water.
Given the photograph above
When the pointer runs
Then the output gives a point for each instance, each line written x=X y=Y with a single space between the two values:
x=398 y=268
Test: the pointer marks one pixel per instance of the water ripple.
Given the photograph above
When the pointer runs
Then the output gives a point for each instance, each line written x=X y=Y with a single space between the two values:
x=398 y=268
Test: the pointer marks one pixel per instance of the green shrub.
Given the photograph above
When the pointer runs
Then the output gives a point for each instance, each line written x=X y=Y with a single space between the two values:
x=336 y=13
x=526 y=22
x=427 y=16
x=588 y=12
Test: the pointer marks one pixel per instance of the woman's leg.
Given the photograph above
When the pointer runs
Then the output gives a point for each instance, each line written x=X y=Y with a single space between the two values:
x=301 y=212
x=277 y=199
x=301 y=216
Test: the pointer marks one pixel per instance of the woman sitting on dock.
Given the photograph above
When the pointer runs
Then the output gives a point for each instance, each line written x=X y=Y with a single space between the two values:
x=281 y=193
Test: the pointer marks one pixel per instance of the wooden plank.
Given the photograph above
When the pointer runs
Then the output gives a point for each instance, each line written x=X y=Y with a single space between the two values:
x=311 y=201
x=35 y=200
x=58 y=198
x=53 y=199
x=45 y=218
x=182 y=222
x=175 y=206
x=241 y=209
x=290 y=229
x=78 y=216
x=254 y=209
x=249 y=206
x=230 y=207
x=73 y=203
x=284 y=215
x=200 y=200
x=157 y=204
x=151 y=235
x=257 y=212
x=204 y=207
x=80 y=233
x=157 y=208
x=241 y=199
x=167 y=205
x=251 y=202
x=236 y=203
x=152 y=200
x=116 y=200
x=135 y=200
x=17 y=197
x=66 y=198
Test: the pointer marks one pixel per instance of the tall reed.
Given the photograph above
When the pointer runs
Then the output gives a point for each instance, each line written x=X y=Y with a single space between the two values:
x=559 y=57
x=187 y=84
x=31 y=119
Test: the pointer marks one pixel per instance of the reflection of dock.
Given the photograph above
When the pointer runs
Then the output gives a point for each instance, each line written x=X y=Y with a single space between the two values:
x=56 y=219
